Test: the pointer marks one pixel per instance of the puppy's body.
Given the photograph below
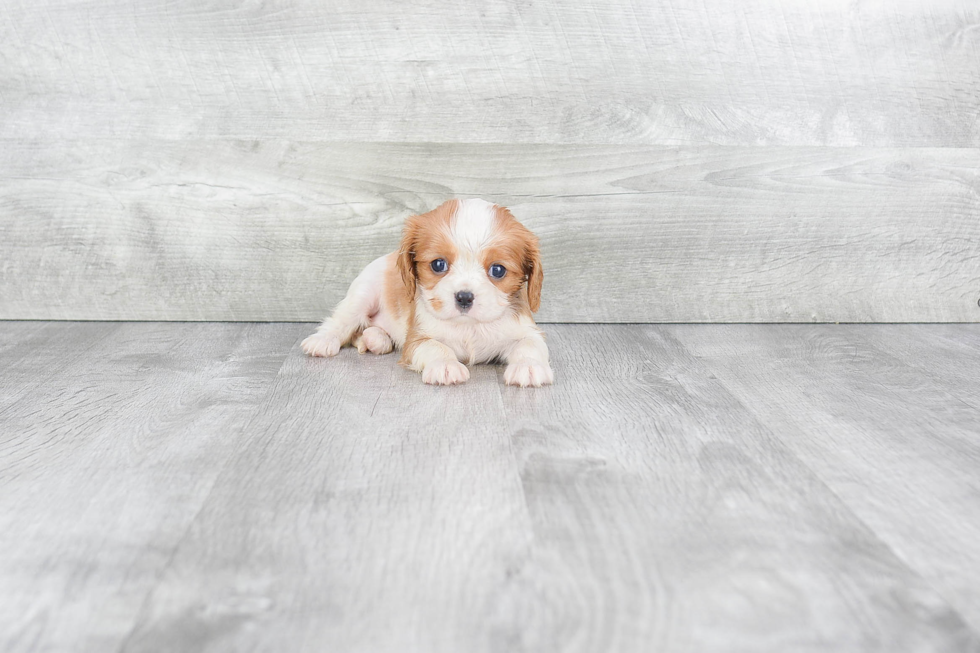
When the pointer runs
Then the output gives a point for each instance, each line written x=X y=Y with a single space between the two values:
x=461 y=289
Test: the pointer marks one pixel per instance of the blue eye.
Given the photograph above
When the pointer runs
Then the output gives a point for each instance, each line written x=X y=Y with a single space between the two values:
x=439 y=265
x=497 y=271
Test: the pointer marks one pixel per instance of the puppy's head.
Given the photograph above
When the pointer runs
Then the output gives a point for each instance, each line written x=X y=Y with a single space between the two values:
x=471 y=261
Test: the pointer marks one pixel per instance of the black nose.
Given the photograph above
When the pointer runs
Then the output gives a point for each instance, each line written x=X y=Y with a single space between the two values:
x=464 y=299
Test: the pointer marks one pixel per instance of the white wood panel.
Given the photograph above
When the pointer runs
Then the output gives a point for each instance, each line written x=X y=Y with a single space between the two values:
x=822 y=72
x=248 y=230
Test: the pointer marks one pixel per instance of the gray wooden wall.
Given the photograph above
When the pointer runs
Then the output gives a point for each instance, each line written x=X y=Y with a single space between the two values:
x=760 y=160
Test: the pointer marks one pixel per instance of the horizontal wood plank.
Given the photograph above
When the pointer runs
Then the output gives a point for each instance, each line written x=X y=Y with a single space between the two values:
x=756 y=72
x=250 y=230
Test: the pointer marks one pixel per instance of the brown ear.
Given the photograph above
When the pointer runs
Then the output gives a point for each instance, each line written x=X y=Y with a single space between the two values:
x=406 y=254
x=534 y=273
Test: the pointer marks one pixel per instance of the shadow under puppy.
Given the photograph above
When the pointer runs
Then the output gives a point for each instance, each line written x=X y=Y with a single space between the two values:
x=460 y=289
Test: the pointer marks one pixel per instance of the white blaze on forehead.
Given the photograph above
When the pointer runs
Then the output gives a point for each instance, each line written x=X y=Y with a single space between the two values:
x=473 y=224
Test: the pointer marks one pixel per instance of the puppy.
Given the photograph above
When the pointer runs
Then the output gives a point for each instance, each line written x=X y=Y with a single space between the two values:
x=460 y=290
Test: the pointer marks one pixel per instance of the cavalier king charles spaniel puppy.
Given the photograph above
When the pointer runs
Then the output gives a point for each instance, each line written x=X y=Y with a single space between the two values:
x=460 y=290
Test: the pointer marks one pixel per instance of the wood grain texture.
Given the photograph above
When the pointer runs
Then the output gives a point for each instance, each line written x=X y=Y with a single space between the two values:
x=639 y=466
x=364 y=511
x=634 y=504
x=168 y=490
x=106 y=461
x=881 y=414
x=33 y=352
x=834 y=72
x=946 y=353
x=249 y=230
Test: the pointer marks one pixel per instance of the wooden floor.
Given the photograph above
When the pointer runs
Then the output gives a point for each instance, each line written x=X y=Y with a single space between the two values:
x=206 y=487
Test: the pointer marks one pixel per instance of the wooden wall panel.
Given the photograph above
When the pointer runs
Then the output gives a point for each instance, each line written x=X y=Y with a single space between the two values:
x=761 y=160
x=756 y=72
x=251 y=230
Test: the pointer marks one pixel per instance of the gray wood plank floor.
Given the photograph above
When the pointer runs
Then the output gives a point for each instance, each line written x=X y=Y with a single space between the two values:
x=205 y=487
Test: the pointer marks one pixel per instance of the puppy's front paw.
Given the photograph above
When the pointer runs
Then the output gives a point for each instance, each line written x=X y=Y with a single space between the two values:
x=321 y=344
x=445 y=373
x=526 y=373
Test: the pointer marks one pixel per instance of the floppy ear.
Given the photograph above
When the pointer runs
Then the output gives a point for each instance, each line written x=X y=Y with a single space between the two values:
x=533 y=271
x=406 y=254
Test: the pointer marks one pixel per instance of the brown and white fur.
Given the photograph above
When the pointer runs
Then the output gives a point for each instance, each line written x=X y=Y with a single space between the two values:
x=400 y=302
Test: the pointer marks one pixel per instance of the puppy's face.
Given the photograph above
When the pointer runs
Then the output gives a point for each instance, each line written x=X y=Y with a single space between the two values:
x=471 y=261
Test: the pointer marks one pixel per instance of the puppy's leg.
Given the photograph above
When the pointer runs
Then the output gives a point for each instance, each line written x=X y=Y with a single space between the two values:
x=351 y=315
x=527 y=362
x=375 y=340
x=438 y=364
